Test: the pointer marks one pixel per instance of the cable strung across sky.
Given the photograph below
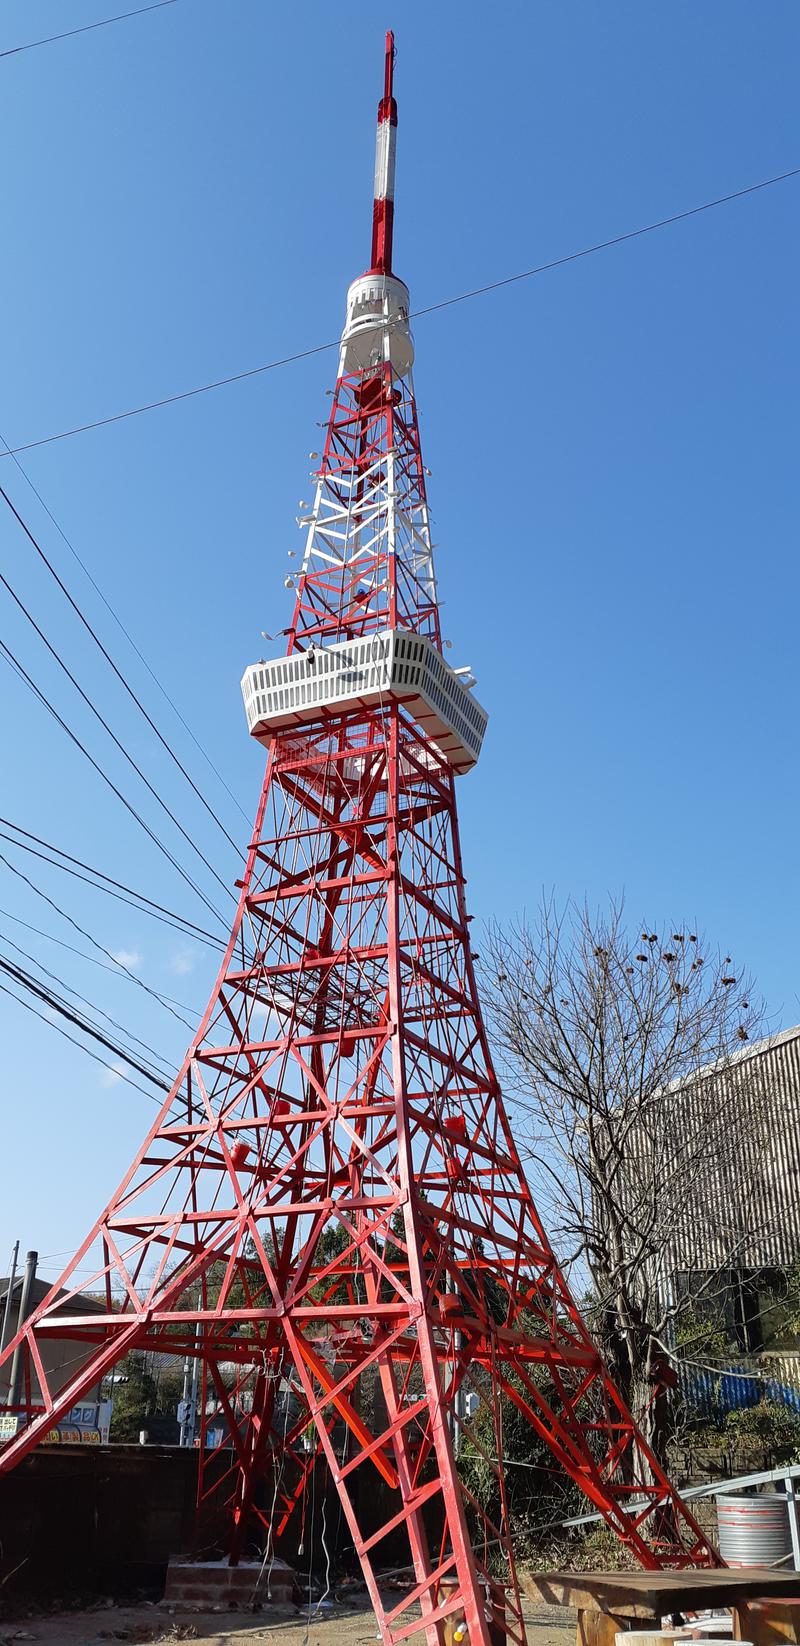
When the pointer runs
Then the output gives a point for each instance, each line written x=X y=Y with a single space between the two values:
x=72 y=948
x=416 y=314
x=19 y=669
x=54 y=855
x=112 y=887
x=87 y=28
x=124 y=630
x=51 y=981
x=108 y=1043
x=81 y=615
x=96 y=944
x=102 y=720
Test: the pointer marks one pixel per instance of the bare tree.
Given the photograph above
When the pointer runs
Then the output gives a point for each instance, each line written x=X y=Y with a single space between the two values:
x=647 y=1168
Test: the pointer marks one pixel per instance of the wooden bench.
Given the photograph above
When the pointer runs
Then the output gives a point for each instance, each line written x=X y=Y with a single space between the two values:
x=764 y=1602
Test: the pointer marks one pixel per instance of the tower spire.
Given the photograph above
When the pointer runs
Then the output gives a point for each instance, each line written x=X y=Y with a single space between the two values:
x=385 y=146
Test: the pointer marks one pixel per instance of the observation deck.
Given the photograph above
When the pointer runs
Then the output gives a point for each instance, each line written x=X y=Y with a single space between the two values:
x=314 y=685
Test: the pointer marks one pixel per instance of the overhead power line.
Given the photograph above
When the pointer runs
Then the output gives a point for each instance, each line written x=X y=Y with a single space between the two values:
x=24 y=979
x=81 y=615
x=87 y=28
x=79 y=1043
x=112 y=887
x=172 y=399
x=158 y=1064
x=21 y=606
x=156 y=839
x=18 y=668
x=430 y=308
x=72 y=948
x=123 y=629
x=96 y=944
x=605 y=245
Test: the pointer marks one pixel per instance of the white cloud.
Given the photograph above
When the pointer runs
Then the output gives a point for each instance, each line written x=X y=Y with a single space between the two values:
x=129 y=958
x=264 y=1022
x=183 y=960
x=113 y=1074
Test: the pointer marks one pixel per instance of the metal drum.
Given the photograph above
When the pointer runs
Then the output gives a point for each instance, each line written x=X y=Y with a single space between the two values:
x=753 y=1531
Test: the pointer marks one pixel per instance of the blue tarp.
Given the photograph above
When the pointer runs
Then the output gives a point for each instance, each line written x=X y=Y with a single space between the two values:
x=713 y=1394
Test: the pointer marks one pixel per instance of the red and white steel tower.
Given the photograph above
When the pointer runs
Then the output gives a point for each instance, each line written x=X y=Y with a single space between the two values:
x=331 y=1196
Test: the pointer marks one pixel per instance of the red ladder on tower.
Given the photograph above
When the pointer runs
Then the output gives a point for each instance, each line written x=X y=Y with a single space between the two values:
x=332 y=1193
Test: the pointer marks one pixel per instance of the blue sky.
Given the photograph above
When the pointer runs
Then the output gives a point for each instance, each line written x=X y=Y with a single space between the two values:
x=613 y=448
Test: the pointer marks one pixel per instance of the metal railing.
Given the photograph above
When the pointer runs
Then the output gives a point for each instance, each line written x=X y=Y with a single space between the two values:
x=787 y=1472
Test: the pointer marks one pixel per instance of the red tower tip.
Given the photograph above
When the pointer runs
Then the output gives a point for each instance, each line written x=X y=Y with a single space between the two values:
x=383 y=204
x=388 y=76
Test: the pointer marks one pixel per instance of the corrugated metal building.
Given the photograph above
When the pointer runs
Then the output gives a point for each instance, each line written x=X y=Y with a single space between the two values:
x=758 y=1182
x=741 y=1213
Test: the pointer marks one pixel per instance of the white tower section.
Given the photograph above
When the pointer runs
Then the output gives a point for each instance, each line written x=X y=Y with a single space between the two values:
x=380 y=512
x=366 y=626
x=377 y=325
x=359 y=523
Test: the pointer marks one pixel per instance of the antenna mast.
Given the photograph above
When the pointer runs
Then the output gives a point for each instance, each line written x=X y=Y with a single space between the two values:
x=385 y=150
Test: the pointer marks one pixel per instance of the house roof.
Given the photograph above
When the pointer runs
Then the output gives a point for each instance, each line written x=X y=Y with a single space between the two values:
x=743 y=1054
x=41 y=1289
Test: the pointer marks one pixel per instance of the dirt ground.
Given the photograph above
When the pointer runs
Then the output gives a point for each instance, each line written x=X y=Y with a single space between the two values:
x=151 y=1626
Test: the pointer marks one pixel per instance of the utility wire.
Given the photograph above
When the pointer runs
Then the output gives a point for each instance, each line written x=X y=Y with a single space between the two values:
x=101 y=948
x=14 y=662
x=605 y=245
x=73 y=949
x=102 y=23
x=430 y=308
x=155 y=1057
x=81 y=1044
x=112 y=887
x=19 y=602
x=172 y=399
x=118 y=672
x=121 y=626
x=50 y=999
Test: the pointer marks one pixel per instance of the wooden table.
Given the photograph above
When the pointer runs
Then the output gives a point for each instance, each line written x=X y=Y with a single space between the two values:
x=608 y=1602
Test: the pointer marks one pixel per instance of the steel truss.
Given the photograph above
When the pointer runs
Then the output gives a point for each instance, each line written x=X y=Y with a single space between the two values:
x=332 y=1193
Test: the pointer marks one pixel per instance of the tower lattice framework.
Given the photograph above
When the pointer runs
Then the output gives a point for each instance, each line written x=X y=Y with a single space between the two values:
x=331 y=1199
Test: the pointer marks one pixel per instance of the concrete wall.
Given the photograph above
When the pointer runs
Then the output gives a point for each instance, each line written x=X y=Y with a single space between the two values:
x=86 y=1520
x=104 y=1520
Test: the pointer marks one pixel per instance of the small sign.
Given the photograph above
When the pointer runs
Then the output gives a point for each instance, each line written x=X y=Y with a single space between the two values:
x=83 y=1417
x=68 y=1436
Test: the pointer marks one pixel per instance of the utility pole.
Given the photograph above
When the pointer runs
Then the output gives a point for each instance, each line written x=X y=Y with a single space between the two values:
x=183 y=1409
x=187 y=1411
x=9 y=1294
x=193 y=1399
x=31 y=1260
